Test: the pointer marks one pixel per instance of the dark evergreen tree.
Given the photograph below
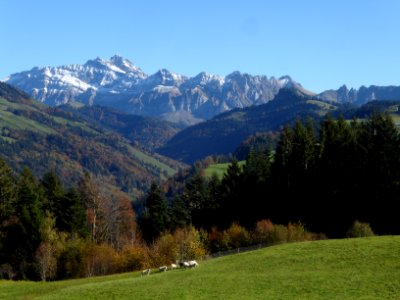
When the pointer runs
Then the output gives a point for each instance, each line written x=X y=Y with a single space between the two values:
x=232 y=196
x=23 y=230
x=196 y=196
x=256 y=188
x=7 y=192
x=155 y=216
x=53 y=191
x=379 y=145
x=73 y=216
x=179 y=214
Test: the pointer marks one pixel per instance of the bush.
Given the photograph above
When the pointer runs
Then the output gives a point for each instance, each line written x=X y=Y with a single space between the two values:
x=215 y=241
x=236 y=236
x=359 y=229
x=190 y=243
x=263 y=231
x=164 y=250
x=297 y=233
x=132 y=258
x=98 y=259
x=279 y=234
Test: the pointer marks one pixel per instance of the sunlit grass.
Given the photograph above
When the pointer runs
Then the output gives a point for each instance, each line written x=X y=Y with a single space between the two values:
x=365 y=268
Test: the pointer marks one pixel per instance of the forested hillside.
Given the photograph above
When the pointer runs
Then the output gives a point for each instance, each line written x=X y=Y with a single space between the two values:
x=324 y=176
x=146 y=132
x=44 y=138
x=224 y=133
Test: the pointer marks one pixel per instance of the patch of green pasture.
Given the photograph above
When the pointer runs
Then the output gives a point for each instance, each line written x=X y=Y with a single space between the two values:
x=151 y=161
x=219 y=169
x=364 y=268
x=8 y=119
x=80 y=125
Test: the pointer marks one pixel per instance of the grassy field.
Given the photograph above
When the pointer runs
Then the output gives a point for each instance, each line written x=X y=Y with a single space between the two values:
x=219 y=169
x=365 y=268
x=152 y=161
x=13 y=121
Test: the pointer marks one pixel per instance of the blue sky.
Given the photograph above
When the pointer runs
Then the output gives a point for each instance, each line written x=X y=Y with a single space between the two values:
x=321 y=44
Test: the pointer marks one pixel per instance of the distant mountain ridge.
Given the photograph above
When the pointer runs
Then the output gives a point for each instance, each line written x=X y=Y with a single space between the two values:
x=362 y=95
x=224 y=133
x=118 y=83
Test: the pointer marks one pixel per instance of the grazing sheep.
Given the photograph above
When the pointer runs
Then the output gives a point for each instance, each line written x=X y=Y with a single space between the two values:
x=186 y=264
x=173 y=266
x=146 y=272
x=193 y=264
x=162 y=268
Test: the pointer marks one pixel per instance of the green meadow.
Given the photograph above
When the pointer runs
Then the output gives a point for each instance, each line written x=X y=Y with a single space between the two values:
x=219 y=169
x=363 y=268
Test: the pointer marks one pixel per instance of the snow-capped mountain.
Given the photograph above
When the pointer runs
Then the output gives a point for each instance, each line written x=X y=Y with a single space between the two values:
x=60 y=85
x=118 y=83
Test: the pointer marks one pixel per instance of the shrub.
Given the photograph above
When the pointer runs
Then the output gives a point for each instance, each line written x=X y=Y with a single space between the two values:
x=98 y=259
x=297 y=233
x=190 y=243
x=279 y=234
x=131 y=258
x=359 y=229
x=164 y=250
x=215 y=240
x=263 y=231
x=237 y=236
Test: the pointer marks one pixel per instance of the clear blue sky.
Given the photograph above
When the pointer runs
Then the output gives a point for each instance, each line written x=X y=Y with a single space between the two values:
x=321 y=44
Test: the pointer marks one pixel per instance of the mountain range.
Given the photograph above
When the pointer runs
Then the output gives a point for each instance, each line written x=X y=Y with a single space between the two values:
x=118 y=97
x=118 y=83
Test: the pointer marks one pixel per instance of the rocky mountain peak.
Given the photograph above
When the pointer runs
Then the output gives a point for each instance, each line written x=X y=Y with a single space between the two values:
x=118 y=83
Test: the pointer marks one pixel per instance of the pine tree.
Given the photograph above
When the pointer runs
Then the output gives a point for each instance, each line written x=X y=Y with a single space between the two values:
x=23 y=231
x=155 y=217
x=179 y=214
x=7 y=192
x=73 y=216
x=380 y=149
x=196 y=196
x=232 y=199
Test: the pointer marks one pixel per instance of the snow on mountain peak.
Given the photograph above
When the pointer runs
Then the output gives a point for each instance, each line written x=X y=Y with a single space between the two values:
x=117 y=82
x=126 y=65
x=204 y=78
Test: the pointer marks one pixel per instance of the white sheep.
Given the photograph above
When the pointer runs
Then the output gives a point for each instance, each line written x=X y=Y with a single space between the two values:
x=146 y=272
x=162 y=268
x=173 y=266
x=193 y=264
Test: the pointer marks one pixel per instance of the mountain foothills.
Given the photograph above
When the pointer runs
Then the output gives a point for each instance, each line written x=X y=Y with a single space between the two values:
x=223 y=133
x=120 y=84
x=73 y=143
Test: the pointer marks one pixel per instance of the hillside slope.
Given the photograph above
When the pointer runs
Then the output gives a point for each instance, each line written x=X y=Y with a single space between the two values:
x=364 y=268
x=222 y=134
x=44 y=138
x=144 y=131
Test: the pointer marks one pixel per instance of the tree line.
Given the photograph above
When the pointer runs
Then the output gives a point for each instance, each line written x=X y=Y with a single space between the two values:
x=324 y=175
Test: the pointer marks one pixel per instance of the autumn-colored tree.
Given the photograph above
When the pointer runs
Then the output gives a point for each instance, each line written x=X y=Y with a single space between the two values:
x=90 y=193
x=46 y=253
